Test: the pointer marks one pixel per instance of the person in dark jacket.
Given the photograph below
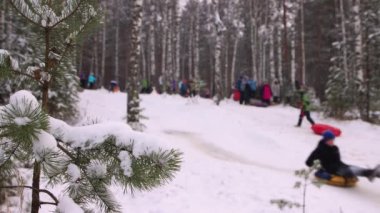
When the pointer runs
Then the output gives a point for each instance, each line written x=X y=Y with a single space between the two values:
x=329 y=156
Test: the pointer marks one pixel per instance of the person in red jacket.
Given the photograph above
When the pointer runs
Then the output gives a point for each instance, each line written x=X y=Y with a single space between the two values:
x=266 y=94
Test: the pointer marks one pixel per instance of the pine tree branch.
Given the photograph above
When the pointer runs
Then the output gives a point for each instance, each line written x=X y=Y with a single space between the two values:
x=69 y=15
x=39 y=190
x=48 y=203
x=63 y=149
x=27 y=75
x=23 y=15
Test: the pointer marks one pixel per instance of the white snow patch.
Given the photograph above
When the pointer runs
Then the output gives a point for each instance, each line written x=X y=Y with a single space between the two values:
x=96 y=169
x=126 y=163
x=44 y=143
x=22 y=99
x=74 y=172
x=67 y=205
x=22 y=121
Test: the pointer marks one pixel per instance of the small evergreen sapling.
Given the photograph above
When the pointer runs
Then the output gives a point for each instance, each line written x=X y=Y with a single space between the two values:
x=304 y=175
x=87 y=160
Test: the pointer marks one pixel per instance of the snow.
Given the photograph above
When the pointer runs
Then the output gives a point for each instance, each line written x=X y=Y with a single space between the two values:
x=44 y=143
x=22 y=121
x=21 y=97
x=67 y=205
x=74 y=172
x=237 y=158
x=96 y=169
x=87 y=137
x=2 y=156
x=126 y=163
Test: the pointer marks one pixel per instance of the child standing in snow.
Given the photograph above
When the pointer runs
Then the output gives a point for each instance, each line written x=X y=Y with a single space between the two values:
x=305 y=108
x=329 y=156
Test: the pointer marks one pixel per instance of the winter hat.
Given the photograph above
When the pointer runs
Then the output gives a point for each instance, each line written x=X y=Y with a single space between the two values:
x=328 y=135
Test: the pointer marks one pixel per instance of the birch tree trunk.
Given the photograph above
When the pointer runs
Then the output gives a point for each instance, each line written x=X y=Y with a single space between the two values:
x=169 y=66
x=358 y=44
x=133 y=111
x=196 y=49
x=190 y=58
x=233 y=64
x=152 y=44
x=279 y=55
x=344 y=39
x=253 y=37
x=177 y=40
x=219 y=27
x=293 y=68
x=303 y=57
x=117 y=43
x=164 y=44
x=104 y=50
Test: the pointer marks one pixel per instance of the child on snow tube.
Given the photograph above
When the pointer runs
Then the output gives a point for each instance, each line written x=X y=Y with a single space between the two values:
x=329 y=156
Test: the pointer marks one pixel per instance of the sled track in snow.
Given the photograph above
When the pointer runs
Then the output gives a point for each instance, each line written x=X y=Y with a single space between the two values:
x=219 y=153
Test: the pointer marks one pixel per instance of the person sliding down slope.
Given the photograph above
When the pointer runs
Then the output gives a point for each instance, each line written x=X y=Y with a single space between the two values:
x=329 y=156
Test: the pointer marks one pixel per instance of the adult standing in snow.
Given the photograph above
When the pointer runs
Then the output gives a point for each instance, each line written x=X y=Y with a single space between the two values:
x=266 y=93
x=91 y=81
x=83 y=79
x=329 y=156
x=276 y=91
x=305 y=107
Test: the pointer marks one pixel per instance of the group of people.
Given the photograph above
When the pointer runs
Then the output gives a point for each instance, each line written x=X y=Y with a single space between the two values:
x=247 y=88
x=87 y=81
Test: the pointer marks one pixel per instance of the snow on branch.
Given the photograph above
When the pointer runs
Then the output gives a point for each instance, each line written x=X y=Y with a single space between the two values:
x=88 y=137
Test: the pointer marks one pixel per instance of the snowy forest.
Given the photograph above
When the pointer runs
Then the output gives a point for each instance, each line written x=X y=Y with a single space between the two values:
x=91 y=98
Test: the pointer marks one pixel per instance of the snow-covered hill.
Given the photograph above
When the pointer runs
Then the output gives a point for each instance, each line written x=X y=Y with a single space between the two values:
x=237 y=158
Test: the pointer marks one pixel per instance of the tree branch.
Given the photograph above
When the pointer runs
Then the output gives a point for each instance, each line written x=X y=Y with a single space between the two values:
x=27 y=75
x=39 y=190
x=68 y=16
x=23 y=15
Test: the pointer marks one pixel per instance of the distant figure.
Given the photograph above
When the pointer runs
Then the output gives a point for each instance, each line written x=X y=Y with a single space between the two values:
x=266 y=94
x=276 y=91
x=242 y=85
x=91 y=81
x=329 y=156
x=305 y=107
x=252 y=87
x=83 y=79
x=114 y=87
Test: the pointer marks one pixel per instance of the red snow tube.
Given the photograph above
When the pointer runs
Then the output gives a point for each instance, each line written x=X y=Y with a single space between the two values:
x=319 y=129
x=236 y=96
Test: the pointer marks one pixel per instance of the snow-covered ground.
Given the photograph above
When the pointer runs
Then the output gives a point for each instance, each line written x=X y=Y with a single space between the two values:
x=237 y=158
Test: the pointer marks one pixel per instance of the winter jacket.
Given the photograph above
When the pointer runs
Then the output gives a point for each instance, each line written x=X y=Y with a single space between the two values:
x=329 y=156
x=252 y=85
x=267 y=92
x=276 y=90
x=305 y=102
x=91 y=79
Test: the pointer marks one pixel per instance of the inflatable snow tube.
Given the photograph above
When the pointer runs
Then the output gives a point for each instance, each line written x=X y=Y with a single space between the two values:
x=319 y=129
x=258 y=103
x=335 y=180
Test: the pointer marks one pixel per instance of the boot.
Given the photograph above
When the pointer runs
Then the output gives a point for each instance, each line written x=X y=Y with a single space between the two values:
x=374 y=173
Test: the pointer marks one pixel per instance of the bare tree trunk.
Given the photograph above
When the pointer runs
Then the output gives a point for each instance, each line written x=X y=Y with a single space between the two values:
x=303 y=57
x=293 y=68
x=271 y=55
x=233 y=64
x=190 y=58
x=169 y=68
x=2 y=25
x=219 y=27
x=225 y=85
x=344 y=38
x=196 y=49
x=279 y=55
x=164 y=44
x=358 y=43
x=104 y=50
x=285 y=49
x=253 y=37
x=96 y=60
x=117 y=43
x=177 y=41
x=133 y=111
x=152 y=44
